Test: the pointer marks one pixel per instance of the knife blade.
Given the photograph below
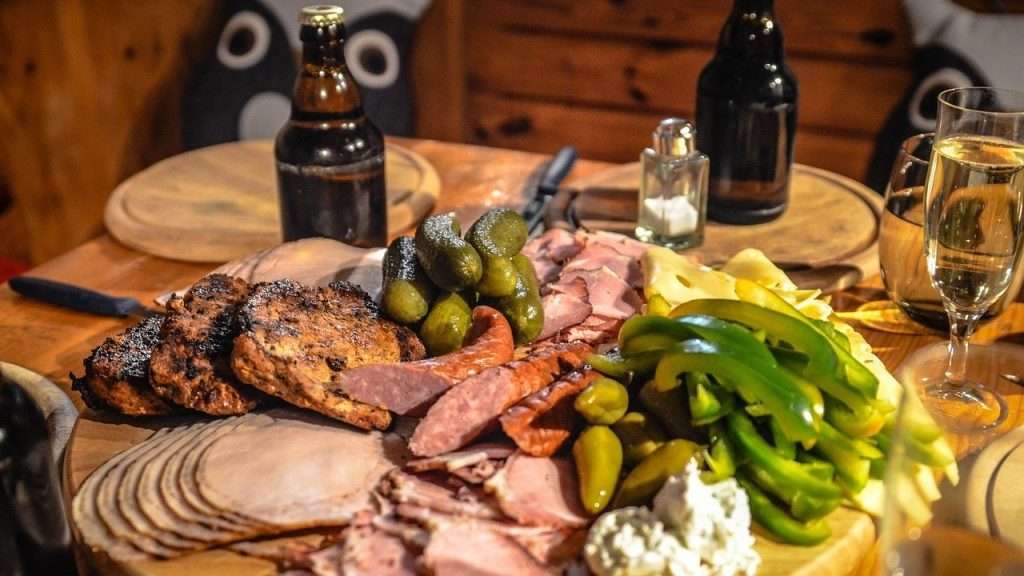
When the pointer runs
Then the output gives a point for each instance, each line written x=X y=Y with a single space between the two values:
x=77 y=298
x=556 y=171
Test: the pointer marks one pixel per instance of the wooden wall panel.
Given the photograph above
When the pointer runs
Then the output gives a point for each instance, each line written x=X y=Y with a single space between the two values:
x=619 y=135
x=438 y=72
x=870 y=30
x=89 y=94
x=625 y=74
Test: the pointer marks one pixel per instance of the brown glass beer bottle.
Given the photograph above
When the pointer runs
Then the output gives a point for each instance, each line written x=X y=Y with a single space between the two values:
x=746 y=117
x=330 y=157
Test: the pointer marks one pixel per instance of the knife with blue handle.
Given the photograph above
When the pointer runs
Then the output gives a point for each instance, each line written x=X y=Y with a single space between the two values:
x=77 y=298
x=553 y=174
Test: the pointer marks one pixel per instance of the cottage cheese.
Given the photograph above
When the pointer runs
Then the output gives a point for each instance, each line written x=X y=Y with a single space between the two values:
x=694 y=530
x=712 y=520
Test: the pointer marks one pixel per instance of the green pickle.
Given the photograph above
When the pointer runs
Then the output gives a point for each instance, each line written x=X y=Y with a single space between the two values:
x=598 y=456
x=640 y=435
x=499 y=277
x=604 y=401
x=644 y=481
x=450 y=262
x=446 y=325
x=500 y=232
x=523 y=307
x=407 y=289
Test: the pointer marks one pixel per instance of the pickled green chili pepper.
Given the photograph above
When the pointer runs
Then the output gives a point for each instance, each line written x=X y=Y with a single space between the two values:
x=644 y=481
x=604 y=401
x=778 y=522
x=598 y=456
x=751 y=378
x=640 y=435
x=746 y=439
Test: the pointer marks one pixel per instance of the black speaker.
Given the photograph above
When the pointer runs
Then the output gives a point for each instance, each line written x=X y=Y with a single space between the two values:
x=242 y=88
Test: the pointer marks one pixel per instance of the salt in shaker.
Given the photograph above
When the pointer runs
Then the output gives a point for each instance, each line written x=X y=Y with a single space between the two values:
x=673 y=188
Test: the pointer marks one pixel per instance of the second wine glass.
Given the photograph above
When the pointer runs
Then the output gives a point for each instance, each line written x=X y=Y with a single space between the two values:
x=974 y=230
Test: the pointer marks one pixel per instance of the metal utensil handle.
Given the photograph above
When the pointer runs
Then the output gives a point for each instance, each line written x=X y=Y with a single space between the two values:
x=557 y=170
x=74 y=297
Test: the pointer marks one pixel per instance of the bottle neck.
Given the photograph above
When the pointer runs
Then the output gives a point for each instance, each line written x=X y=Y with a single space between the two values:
x=324 y=88
x=751 y=32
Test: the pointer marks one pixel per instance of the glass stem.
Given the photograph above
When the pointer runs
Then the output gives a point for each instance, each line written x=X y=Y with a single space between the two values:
x=961 y=326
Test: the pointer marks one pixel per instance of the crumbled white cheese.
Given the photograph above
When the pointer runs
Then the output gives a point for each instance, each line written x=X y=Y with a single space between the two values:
x=633 y=542
x=712 y=520
x=695 y=529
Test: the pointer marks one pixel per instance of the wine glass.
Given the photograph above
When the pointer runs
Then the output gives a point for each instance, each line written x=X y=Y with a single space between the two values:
x=939 y=519
x=973 y=230
x=901 y=255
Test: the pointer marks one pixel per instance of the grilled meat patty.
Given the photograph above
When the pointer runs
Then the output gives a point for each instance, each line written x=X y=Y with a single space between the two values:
x=296 y=341
x=117 y=373
x=191 y=365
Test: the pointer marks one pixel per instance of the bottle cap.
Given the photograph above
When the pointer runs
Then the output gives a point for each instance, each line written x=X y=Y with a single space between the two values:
x=675 y=137
x=321 y=15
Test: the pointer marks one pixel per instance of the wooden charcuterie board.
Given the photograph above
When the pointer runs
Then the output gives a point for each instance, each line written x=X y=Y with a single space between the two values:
x=219 y=203
x=827 y=238
x=98 y=438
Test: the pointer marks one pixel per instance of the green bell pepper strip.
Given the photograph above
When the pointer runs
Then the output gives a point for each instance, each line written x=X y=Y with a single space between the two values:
x=795 y=363
x=867 y=450
x=746 y=439
x=668 y=404
x=787 y=403
x=616 y=366
x=821 y=359
x=784 y=446
x=708 y=402
x=851 y=468
x=720 y=457
x=932 y=454
x=854 y=372
x=860 y=423
x=782 y=525
x=645 y=333
x=801 y=506
x=757 y=410
x=816 y=466
x=877 y=470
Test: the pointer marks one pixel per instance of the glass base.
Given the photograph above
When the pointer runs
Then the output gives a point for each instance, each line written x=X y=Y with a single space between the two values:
x=964 y=406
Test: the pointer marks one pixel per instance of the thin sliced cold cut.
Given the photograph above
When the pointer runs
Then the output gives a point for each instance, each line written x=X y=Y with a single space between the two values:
x=539 y=492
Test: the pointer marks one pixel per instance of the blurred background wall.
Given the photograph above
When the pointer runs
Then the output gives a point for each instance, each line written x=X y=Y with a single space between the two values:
x=91 y=90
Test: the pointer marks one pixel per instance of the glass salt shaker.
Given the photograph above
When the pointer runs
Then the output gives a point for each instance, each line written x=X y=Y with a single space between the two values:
x=673 y=188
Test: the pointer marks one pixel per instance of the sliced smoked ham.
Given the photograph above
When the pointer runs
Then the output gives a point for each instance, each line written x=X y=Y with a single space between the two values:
x=410 y=387
x=539 y=492
x=464 y=549
x=473 y=406
x=540 y=423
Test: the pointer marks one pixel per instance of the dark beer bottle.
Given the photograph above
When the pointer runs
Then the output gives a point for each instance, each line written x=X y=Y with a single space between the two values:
x=330 y=157
x=746 y=117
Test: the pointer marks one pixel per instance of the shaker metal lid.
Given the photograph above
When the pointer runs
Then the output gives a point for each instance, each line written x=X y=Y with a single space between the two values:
x=321 y=15
x=675 y=137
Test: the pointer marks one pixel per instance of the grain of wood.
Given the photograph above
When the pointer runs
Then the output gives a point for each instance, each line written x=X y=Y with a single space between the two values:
x=620 y=135
x=837 y=95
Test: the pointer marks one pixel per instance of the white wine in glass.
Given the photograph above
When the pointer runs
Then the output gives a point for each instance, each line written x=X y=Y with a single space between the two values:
x=974 y=229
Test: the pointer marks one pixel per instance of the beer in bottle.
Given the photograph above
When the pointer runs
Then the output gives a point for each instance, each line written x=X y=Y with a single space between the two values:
x=746 y=117
x=330 y=157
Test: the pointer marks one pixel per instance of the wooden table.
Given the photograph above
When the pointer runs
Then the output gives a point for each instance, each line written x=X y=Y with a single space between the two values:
x=53 y=341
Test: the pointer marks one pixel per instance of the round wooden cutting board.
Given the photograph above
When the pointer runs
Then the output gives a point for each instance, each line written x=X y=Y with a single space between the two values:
x=220 y=203
x=97 y=438
x=827 y=238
